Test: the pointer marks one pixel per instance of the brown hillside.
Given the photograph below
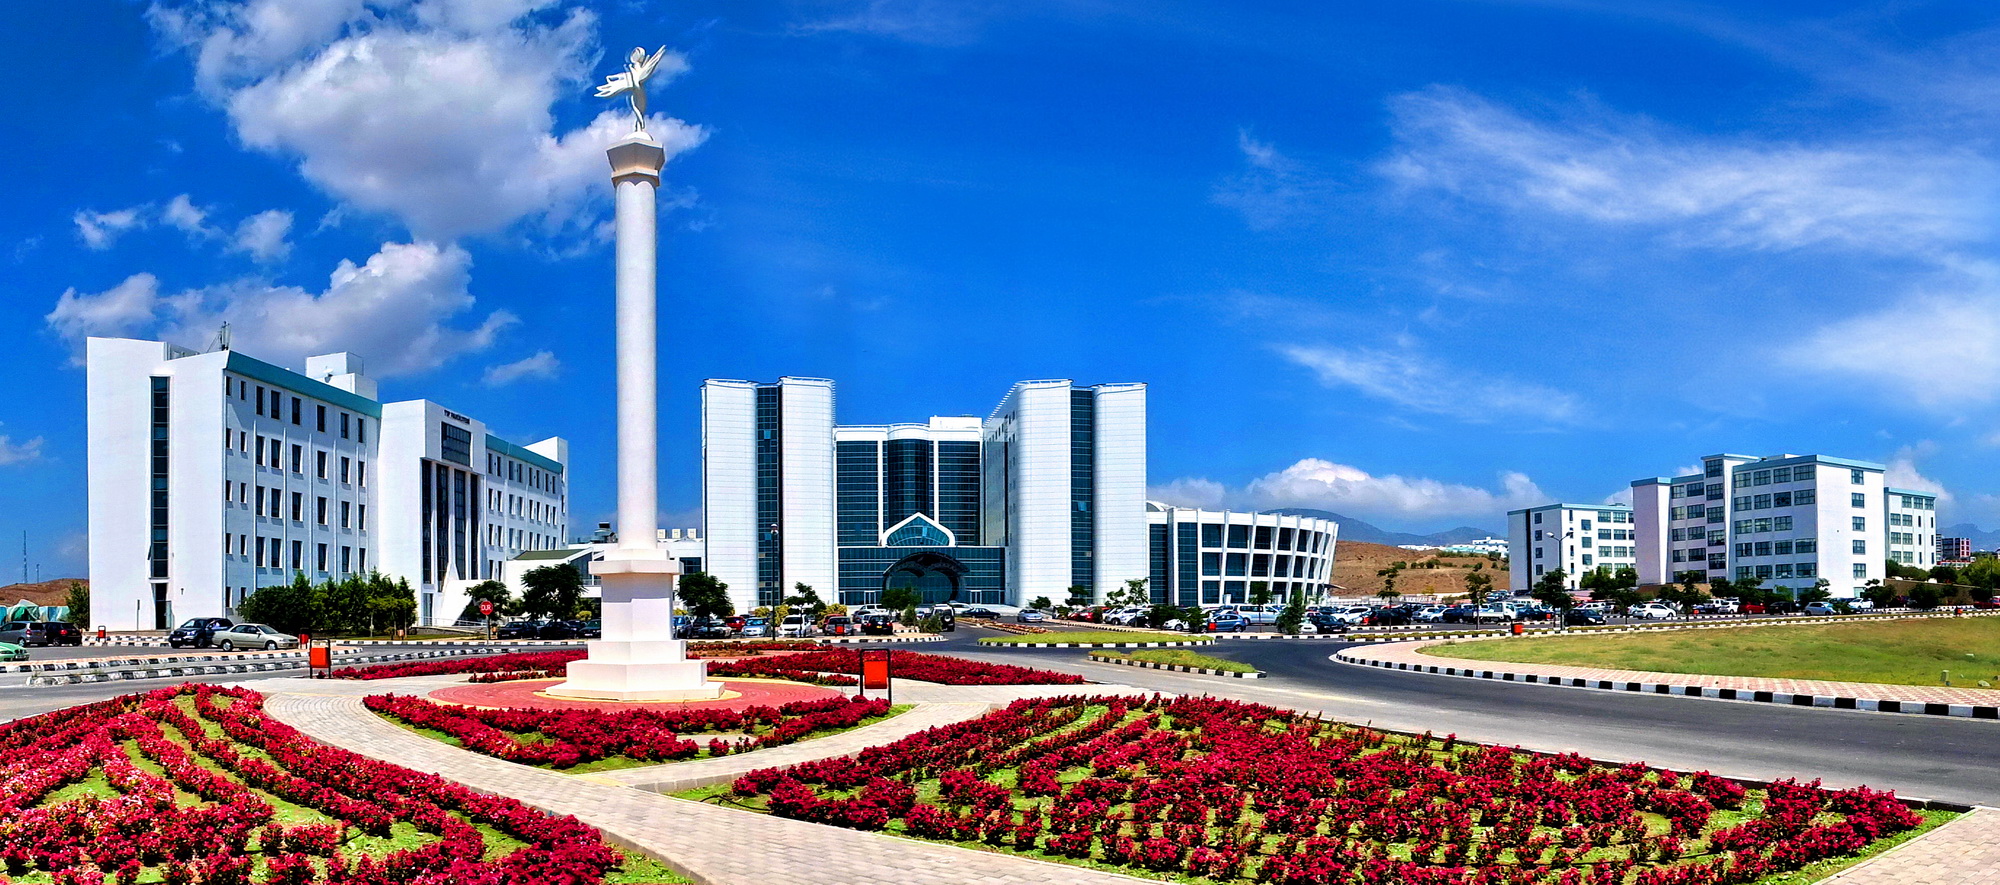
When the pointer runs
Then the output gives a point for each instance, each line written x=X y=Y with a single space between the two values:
x=43 y=593
x=1355 y=564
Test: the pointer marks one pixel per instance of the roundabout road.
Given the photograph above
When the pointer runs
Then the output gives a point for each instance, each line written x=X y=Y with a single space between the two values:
x=1933 y=757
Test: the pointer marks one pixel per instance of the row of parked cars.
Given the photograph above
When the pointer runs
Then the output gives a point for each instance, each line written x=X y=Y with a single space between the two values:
x=228 y=635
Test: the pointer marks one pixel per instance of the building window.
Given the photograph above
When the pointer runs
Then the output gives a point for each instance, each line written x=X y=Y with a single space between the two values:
x=1211 y=535
x=1860 y=547
x=298 y=506
x=320 y=513
x=1805 y=496
x=343 y=427
x=1860 y=569
x=346 y=513
x=1858 y=499
x=1239 y=536
x=298 y=459
x=298 y=554
x=1857 y=477
x=1236 y=565
x=1538 y=519
x=346 y=560
x=361 y=518
x=295 y=410
x=1861 y=523
x=322 y=429
x=321 y=561
x=345 y=465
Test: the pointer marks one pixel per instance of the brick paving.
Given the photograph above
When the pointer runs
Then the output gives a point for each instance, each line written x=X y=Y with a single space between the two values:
x=709 y=844
x=1409 y=653
x=1962 y=852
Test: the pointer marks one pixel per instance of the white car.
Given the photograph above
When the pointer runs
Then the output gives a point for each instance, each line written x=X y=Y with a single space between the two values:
x=1429 y=614
x=1861 y=603
x=1822 y=608
x=1353 y=614
x=796 y=626
x=1124 y=617
x=252 y=636
x=1654 y=611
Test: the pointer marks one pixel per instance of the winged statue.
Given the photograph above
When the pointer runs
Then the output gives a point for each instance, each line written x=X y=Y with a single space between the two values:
x=632 y=83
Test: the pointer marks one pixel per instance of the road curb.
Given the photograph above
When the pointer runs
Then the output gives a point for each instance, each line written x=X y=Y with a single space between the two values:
x=291 y=661
x=1197 y=642
x=857 y=640
x=1177 y=668
x=1829 y=702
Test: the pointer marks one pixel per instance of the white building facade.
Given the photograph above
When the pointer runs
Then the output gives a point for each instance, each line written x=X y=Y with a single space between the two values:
x=1911 y=531
x=1576 y=538
x=1788 y=520
x=251 y=474
x=1046 y=494
x=1210 y=557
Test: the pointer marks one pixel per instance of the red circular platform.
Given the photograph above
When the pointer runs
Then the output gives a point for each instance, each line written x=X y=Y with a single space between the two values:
x=528 y=694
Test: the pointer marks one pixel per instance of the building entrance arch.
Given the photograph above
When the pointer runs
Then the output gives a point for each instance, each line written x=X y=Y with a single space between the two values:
x=936 y=577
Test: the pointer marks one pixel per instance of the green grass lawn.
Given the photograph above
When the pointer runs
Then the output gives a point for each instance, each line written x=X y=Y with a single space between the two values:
x=1098 y=636
x=1896 y=652
x=1179 y=657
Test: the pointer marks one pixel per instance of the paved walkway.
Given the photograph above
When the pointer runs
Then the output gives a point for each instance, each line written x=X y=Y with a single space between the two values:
x=1962 y=852
x=1859 y=695
x=709 y=844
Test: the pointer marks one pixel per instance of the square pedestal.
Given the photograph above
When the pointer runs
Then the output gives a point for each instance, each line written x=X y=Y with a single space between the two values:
x=657 y=681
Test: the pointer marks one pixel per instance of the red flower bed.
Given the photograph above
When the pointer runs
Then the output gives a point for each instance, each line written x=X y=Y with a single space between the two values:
x=566 y=738
x=821 y=666
x=1233 y=791
x=144 y=824
x=905 y=665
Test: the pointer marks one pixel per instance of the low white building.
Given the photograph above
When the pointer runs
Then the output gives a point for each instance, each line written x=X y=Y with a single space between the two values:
x=214 y=474
x=1208 y=557
x=1577 y=538
x=1911 y=531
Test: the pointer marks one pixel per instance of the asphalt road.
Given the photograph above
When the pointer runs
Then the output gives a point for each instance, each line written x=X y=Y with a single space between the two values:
x=1929 y=756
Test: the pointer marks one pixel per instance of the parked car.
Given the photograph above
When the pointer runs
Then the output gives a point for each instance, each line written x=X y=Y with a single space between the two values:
x=9 y=653
x=1822 y=608
x=1457 y=614
x=796 y=627
x=1326 y=622
x=592 y=629
x=945 y=614
x=1429 y=614
x=1861 y=603
x=838 y=625
x=876 y=624
x=735 y=622
x=1653 y=611
x=559 y=630
x=197 y=632
x=1583 y=617
x=1123 y=617
x=1386 y=617
x=26 y=633
x=1223 y=621
x=253 y=636
x=1031 y=616
x=756 y=628
x=1353 y=614
x=709 y=628
x=523 y=629
x=1260 y=615
x=980 y=612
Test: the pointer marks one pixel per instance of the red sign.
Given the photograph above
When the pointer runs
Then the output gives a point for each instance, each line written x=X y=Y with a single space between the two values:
x=875 y=669
x=486 y=606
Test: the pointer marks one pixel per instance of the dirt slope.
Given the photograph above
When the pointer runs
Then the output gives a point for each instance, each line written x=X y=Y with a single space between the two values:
x=1355 y=564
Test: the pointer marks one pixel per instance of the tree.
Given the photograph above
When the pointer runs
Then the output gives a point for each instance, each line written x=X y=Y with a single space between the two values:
x=78 y=602
x=705 y=597
x=488 y=591
x=392 y=603
x=1260 y=592
x=552 y=590
x=1293 y=616
x=899 y=598
x=291 y=608
x=909 y=618
x=1551 y=591
x=1131 y=593
x=1043 y=603
x=805 y=598
x=1945 y=574
x=1477 y=585
x=1924 y=597
x=1816 y=593
x=1079 y=596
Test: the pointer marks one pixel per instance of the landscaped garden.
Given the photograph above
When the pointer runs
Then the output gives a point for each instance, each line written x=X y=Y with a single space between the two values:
x=1905 y=652
x=822 y=666
x=1097 y=637
x=591 y=740
x=1226 y=792
x=195 y=785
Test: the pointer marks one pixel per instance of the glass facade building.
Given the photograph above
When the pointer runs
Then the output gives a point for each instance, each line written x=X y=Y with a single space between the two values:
x=1209 y=557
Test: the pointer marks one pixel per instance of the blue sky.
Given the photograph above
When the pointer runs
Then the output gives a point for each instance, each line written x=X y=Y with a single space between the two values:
x=1418 y=262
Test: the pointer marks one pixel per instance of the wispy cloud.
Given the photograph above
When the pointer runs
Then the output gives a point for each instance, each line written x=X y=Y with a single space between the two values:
x=543 y=365
x=1406 y=377
x=1351 y=491
x=1272 y=190
x=100 y=230
x=1938 y=350
x=1598 y=166
x=12 y=452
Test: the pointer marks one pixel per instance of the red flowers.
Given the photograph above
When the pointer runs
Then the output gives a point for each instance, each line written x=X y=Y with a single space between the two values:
x=904 y=664
x=1234 y=791
x=566 y=738
x=181 y=782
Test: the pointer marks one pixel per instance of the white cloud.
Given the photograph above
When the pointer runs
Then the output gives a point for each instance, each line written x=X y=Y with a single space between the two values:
x=1351 y=491
x=929 y=22
x=1412 y=380
x=120 y=311
x=1273 y=189
x=181 y=213
x=100 y=230
x=397 y=310
x=543 y=365
x=262 y=236
x=1936 y=351
x=1887 y=197
x=15 y=453
x=1622 y=496
x=1902 y=472
x=438 y=114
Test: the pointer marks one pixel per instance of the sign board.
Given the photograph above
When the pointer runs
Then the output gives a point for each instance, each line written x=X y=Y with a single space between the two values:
x=486 y=606
x=875 y=669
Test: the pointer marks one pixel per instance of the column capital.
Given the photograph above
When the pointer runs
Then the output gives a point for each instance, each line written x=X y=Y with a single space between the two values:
x=636 y=156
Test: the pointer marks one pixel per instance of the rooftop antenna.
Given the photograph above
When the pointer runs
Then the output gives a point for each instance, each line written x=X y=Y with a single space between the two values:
x=221 y=339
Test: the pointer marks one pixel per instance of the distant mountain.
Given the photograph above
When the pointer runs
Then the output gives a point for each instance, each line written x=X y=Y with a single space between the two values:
x=1981 y=539
x=1352 y=529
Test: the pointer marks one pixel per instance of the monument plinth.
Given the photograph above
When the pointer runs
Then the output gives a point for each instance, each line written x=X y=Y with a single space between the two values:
x=638 y=659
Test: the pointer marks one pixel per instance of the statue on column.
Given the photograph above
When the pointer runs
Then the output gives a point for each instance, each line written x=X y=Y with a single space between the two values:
x=632 y=84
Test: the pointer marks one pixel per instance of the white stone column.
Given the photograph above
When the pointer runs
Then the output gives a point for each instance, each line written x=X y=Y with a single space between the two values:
x=638 y=658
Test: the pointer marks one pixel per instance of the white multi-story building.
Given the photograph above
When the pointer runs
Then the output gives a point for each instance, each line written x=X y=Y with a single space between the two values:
x=1576 y=538
x=250 y=474
x=1046 y=494
x=1790 y=520
x=1912 y=526
x=1208 y=557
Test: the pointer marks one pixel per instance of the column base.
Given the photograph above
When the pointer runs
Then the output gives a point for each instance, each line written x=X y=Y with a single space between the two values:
x=657 y=680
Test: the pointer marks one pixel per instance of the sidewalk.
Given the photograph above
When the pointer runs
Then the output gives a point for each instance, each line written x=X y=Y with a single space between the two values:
x=1976 y=703
x=706 y=843
x=1962 y=852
